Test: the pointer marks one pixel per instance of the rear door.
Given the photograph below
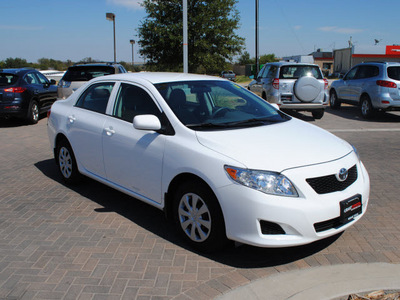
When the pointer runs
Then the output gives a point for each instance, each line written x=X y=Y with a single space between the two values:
x=86 y=123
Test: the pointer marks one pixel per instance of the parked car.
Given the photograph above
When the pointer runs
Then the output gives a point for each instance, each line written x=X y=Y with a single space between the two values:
x=78 y=74
x=230 y=75
x=25 y=93
x=293 y=86
x=220 y=161
x=373 y=86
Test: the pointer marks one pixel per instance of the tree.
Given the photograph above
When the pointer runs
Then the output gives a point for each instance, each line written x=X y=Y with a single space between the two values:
x=212 y=40
x=245 y=59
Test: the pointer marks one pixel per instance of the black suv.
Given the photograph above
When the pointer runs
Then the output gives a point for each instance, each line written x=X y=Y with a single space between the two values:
x=79 y=74
x=25 y=93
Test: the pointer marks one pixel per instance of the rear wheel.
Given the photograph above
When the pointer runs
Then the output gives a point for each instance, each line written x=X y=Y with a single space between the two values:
x=333 y=100
x=367 y=111
x=318 y=113
x=33 y=112
x=67 y=163
x=198 y=217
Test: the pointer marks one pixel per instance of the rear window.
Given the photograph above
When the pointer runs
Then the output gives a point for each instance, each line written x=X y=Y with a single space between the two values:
x=394 y=73
x=8 y=79
x=295 y=72
x=85 y=73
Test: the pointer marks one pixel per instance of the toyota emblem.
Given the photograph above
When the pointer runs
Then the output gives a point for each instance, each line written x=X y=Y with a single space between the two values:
x=342 y=175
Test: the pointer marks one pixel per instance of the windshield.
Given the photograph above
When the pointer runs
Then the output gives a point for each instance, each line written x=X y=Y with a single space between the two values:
x=206 y=105
x=85 y=73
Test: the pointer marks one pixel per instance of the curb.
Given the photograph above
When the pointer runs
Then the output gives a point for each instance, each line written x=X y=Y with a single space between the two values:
x=328 y=282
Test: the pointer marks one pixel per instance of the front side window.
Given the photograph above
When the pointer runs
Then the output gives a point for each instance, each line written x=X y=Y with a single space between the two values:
x=96 y=97
x=42 y=78
x=351 y=75
x=213 y=105
x=132 y=101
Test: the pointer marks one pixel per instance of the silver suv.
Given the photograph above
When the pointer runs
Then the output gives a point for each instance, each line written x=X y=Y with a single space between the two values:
x=293 y=86
x=373 y=86
x=79 y=74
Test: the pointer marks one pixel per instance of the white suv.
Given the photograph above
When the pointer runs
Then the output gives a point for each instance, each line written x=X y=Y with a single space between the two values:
x=215 y=157
x=293 y=86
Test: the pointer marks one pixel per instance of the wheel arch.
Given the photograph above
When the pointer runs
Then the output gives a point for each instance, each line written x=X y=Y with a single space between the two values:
x=364 y=94
x=60 y=137
x=177 y=181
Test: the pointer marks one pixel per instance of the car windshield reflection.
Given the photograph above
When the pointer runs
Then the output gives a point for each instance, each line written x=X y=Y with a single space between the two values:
x=217 y=104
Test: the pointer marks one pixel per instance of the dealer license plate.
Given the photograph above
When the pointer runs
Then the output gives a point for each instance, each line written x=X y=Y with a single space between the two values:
x=350 y=208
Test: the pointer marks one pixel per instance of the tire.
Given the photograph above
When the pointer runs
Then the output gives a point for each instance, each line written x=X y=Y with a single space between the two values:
x=33 y=112
x=367 y=111
x=67 y=163
x=198 y=217
x=318 y=113
x=334 y=101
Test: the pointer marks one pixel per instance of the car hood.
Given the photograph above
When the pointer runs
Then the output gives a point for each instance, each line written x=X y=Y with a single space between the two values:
x=276 y=147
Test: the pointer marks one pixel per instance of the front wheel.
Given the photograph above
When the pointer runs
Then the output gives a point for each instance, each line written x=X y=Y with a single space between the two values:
x=33 y=112
x=367 y=111
x=67 y=163
x=198 y=217
x=334 y=101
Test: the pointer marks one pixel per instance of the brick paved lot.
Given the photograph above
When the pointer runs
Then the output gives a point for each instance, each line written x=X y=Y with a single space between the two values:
x=91 y=242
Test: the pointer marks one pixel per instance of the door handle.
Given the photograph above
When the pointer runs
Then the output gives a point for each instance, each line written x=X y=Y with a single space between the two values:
x=109 y=131
x=71 y=119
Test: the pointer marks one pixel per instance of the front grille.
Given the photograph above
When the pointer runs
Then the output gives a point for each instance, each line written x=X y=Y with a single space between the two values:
x=271 y=228
x=330 y=184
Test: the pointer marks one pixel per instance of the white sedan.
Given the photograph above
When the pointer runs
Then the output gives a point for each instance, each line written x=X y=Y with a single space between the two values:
x=220 y=161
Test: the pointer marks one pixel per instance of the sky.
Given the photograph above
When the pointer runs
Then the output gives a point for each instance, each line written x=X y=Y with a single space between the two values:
x=77 y=29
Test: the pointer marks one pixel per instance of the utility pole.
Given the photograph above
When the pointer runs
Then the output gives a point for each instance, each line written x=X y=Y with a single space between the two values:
x=185 y=38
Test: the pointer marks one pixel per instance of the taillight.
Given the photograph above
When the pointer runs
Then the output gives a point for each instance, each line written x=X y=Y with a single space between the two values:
x=385 y=83
x=326 y=83
x=48 y=113
x=275 y=83
x=17 y=90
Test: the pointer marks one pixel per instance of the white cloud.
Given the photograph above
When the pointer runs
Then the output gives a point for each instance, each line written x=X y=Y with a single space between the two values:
x=132 y=4
x=297 y=27
x=340 y=29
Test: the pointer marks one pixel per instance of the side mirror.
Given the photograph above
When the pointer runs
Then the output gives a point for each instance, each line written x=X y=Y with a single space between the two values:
x=146 y=122
x=53 y=82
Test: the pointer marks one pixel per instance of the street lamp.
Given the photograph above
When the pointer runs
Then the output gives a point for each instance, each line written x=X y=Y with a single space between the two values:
x=132 y=43
x=111 y=17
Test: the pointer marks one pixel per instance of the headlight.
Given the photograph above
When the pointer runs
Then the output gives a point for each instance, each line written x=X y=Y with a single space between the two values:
x=263 y=181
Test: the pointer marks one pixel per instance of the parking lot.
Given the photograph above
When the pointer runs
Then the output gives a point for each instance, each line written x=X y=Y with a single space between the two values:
x=92 y=242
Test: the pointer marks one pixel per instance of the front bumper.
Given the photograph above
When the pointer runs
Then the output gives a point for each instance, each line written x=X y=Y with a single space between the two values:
x=246 y=211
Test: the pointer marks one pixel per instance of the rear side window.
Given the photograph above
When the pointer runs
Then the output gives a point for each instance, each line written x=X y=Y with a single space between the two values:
x=367 y=72
x=8 y=79
x=96 y=97
x=85 y=73
x=295 y=72
x=394 y=73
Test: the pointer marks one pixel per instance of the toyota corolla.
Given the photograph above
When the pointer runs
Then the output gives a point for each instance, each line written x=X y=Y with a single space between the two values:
x=220 y=161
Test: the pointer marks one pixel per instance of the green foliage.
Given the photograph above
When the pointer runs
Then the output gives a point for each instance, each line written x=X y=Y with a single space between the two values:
x=245 y=59
x=212 y=41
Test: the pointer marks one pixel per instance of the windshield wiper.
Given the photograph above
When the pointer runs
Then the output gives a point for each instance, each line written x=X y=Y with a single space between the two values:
x=208 y=125
x=255 y=122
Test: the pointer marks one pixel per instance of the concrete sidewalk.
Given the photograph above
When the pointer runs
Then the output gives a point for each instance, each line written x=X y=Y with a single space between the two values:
x=328 y=282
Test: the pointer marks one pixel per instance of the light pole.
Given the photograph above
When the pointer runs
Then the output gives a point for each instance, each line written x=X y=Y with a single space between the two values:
x=185 y=38
x=111 y=17
x=132 y=43
x=257 y=36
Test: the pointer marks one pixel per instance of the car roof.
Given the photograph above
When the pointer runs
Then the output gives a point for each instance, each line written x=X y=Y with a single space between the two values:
x=111 y=64
x=160 y=77
x=389 y=63
x=284 y=63
x=16 y=70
